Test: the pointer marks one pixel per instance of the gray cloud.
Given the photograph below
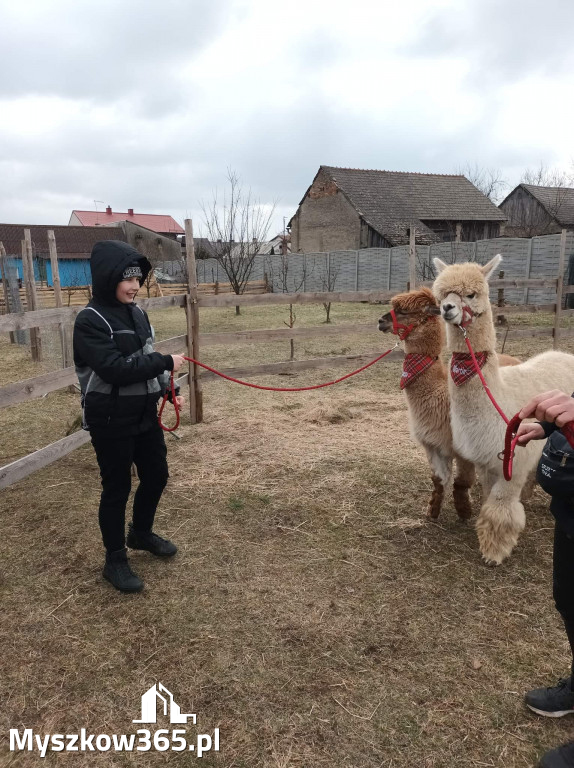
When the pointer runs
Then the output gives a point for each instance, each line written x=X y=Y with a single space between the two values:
x=106 y=51
x=144 y=133
x=503 y=40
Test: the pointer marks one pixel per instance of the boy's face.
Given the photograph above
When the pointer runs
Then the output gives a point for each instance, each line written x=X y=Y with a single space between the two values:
x=126 y=290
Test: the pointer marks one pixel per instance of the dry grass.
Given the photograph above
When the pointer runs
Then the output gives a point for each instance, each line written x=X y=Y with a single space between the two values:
x=312 y=613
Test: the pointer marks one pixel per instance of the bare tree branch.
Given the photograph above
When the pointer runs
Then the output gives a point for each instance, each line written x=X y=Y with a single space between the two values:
x=237 y=227
x=489 y=181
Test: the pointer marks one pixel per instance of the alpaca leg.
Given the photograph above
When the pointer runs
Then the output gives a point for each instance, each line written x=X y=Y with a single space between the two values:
x=500 y=522
x=436 y=498
x=441 y=467
x=528 y=487
x=463 y=481
x=487 y=479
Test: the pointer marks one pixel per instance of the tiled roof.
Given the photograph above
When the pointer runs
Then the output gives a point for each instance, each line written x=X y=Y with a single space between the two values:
x=390 y=201
x=153 y=221
x=71 y=242
x=558 y=202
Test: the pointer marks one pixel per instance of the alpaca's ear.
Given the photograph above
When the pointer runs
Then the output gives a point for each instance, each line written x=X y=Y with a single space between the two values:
x=489 y=268
x=440 y=265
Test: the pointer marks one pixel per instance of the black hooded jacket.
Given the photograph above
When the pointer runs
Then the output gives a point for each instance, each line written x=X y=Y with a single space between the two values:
x=121 y=377
x=561 y=506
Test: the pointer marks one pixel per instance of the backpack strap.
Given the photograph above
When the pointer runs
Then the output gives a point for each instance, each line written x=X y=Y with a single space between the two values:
x=104 y=319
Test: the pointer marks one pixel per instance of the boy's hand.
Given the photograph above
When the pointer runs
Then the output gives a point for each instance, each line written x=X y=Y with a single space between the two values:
x=178 y=361
x=554 y=406
x=180 y=400
x=528 y=432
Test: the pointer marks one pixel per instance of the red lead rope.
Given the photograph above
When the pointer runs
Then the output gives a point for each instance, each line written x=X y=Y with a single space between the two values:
x=254 y=386
x=510 y=439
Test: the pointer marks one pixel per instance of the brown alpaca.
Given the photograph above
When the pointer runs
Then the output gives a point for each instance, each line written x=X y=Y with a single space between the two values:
x=428 y=397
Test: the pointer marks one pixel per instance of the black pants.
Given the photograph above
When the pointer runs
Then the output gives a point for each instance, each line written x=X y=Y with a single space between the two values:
x=115 y=456
x=563 y=580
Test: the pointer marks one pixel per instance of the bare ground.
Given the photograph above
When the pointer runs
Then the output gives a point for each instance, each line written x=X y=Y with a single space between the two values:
x=312 y=613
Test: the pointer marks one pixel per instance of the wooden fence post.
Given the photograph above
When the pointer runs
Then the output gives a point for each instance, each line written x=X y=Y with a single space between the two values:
x=31 y=296
x=560 y=288
x=412 y=258
x=192 y=314
x=4 y=270
x=65 y=330
x=500 y=319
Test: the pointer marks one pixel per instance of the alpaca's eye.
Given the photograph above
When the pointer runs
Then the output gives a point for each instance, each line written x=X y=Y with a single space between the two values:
x=471 y=295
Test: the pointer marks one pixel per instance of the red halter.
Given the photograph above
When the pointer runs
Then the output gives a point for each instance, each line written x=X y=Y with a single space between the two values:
x=466 y=310
x=399 y=329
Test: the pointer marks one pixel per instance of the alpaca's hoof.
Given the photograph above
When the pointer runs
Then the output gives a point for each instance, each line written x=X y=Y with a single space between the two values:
x=491 y=563
x=498 y=527
x=433 y=509
x=495 y=548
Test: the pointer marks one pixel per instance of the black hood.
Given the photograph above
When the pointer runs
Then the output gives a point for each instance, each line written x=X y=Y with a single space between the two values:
x=108 y=260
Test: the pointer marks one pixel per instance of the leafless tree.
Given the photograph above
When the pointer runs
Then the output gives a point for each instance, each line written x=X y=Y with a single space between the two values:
x=489 y=181
x=237 y=227
x=328 y=275
x=543 y=176
x=281 y=273
x=77 y=280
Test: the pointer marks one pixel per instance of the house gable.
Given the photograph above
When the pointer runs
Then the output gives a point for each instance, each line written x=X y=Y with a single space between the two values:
x=325 y=220
x=388 y=203
x=534 y=210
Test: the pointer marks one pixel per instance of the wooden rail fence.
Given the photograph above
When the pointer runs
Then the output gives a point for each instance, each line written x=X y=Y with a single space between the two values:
x=79 y=295
x=38 y=386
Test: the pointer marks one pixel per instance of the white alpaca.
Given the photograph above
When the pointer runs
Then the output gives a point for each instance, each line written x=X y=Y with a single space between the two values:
x=478 y=430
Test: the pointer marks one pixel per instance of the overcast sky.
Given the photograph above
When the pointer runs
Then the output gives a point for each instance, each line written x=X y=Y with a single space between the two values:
x=146 y=104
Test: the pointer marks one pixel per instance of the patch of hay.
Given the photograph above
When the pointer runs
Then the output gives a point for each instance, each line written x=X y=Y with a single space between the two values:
x=328 y=413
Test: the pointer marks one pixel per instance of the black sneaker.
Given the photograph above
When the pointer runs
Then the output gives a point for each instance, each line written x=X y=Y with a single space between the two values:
x=150 y=542
x=552 y=702
x=118 y=572
x=563 y=757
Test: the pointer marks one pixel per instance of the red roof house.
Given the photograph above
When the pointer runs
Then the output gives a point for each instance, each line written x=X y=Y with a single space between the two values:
x=163 y=225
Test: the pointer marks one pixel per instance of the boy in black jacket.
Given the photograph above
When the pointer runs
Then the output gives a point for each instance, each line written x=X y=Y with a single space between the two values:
x=121 y=380
x=555 y=411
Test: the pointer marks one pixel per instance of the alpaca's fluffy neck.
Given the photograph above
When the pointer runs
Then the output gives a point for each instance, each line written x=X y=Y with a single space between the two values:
x=427 y=339
x=481 y=335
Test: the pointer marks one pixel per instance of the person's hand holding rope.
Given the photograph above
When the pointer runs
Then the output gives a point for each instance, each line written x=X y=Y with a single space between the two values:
x=553 y=406
x=178 y=361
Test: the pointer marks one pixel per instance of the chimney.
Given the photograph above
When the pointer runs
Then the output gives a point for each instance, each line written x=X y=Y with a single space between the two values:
x=109 y=209
x=130 y=211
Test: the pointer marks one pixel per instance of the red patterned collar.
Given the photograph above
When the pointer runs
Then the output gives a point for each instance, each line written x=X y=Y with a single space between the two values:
x=462 y=368
x=413 y=365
